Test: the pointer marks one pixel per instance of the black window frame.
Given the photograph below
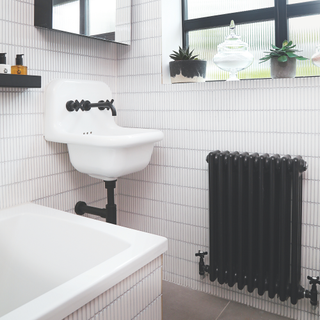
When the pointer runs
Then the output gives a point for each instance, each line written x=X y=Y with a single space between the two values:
x=281 y=12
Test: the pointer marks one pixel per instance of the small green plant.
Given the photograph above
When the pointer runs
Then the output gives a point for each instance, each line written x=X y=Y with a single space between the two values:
x=183 y=54
x=286 y=51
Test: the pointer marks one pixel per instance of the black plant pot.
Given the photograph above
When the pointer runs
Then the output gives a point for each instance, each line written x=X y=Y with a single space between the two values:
x=187 y=71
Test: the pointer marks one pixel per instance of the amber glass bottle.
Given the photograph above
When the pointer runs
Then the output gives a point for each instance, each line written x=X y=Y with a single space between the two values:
x=19 y=68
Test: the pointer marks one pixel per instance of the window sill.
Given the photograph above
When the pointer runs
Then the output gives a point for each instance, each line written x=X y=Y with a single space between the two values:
x=242 y=80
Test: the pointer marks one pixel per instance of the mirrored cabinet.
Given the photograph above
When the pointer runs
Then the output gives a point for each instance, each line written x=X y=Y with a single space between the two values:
x=108 y=20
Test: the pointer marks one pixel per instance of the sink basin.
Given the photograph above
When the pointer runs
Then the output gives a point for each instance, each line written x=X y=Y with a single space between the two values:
x=97 y=145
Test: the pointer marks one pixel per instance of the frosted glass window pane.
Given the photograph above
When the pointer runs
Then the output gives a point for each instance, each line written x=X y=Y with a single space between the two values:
x=66 y=17
x=259 y=37
x=205 y=8
x=305 y=33
x=102 y=16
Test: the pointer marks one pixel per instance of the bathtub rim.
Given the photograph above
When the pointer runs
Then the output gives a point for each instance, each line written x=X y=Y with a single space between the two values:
x=73 y=294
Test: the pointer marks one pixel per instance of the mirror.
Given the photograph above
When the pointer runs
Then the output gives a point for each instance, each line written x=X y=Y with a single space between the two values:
x=108 y=20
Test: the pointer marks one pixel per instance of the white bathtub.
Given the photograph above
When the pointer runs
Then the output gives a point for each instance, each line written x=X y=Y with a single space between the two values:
x=53 y=263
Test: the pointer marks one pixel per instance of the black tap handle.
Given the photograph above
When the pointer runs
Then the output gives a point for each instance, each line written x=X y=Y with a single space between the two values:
x=85 y=105
x=313 y=280
x=74 y=105
x=201 y=254
x=77 y=105
x=102 y=107
x=69 y=105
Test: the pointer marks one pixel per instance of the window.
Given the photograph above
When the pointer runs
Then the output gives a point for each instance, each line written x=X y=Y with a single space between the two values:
x=260 y=23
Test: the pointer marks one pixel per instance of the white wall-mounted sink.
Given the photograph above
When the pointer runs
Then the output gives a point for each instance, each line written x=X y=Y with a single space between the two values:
x=97 y=145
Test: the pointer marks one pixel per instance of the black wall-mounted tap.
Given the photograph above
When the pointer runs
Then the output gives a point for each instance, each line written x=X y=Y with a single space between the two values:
x=86 y=105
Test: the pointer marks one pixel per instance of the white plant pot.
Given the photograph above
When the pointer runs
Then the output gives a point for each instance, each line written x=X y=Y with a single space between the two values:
x=283 y=69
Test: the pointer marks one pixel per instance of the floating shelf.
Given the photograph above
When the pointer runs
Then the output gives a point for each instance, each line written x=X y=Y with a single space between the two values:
x=20 y=81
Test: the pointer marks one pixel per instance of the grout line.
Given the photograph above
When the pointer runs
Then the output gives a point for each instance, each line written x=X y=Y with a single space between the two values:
x=223 y=310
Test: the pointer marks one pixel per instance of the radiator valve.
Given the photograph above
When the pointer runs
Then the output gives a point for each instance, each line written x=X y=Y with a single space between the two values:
x=202 y=267
x=313 y=294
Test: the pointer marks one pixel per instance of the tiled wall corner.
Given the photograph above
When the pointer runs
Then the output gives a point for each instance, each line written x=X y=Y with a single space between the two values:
x=170 y=197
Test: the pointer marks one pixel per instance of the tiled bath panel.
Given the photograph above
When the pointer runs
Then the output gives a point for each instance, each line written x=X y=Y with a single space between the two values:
x=138 y=297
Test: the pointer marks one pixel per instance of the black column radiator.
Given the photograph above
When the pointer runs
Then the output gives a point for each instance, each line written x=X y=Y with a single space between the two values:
x=255 y=211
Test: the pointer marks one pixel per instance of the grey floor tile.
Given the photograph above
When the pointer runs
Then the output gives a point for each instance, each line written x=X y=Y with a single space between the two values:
x=238 y=311
x=180 y=303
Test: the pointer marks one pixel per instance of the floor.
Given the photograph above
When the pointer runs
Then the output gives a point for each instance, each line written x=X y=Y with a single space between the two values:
x=180 y=303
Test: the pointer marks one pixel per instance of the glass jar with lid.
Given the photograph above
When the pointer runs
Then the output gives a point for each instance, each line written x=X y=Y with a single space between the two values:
x=233 y=54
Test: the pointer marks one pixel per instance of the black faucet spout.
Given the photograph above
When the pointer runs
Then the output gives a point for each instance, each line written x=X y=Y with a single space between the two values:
x=86 y=105
x=103 y=105
x=111 y=106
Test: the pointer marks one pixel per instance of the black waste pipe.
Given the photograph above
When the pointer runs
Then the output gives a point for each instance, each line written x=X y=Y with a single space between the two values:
x=109 y=213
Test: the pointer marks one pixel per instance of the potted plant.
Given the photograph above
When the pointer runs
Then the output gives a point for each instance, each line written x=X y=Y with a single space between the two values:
x=186 y=67
x=283 y=60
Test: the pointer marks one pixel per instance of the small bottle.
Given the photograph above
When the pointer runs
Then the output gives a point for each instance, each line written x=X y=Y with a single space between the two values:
x=4 y=67
x=19 y=68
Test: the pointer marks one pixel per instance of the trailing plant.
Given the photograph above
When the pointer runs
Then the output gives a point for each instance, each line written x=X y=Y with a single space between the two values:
x=183 y=54
x=283 y=54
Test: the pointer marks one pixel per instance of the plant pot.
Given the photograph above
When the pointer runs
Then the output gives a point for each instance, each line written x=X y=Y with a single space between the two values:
x=283 y=69
x=187 y=71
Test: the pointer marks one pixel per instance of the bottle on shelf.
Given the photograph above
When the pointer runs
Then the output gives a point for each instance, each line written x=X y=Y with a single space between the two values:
x=4 y=67
x=19 y=68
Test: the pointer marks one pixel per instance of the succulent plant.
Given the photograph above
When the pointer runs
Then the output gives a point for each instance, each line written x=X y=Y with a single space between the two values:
x=183 y=54
x=286 y=51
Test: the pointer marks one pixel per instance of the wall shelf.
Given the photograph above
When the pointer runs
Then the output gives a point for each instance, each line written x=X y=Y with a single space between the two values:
x=20 y=81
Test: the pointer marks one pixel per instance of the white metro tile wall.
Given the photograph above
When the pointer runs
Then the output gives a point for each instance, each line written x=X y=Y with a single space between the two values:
x=32 y=169
x=170 y=197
